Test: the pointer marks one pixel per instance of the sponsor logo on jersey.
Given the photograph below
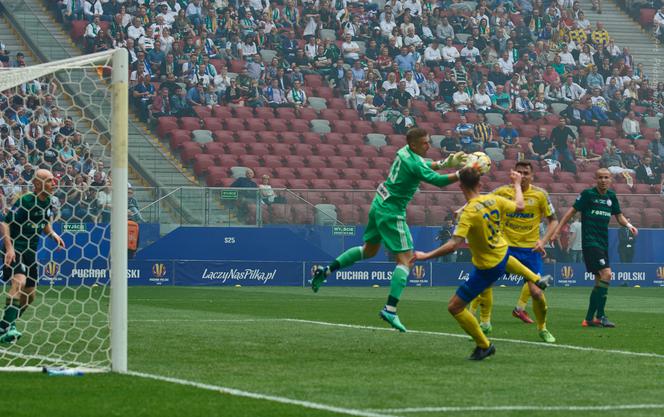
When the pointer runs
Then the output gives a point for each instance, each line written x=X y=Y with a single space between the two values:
x=51 y=269
x=158 y=270
x=567 y=272
x=419 y=271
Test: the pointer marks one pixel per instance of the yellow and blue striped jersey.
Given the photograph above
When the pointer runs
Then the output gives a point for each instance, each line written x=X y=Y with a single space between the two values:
x=480 y=223
x=522 y=229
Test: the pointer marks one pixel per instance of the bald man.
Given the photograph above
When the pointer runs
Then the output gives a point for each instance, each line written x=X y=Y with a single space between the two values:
x=29 y=217
x=597 y=205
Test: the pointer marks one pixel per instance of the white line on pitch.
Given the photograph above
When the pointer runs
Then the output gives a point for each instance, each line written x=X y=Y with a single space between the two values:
x=264 y=397
x=616 y=407
x=523 y=342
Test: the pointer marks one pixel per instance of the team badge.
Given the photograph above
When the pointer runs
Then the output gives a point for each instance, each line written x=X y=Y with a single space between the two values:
x=602 y=262
x=158 y=270
x=419 y=271
x=608 y=203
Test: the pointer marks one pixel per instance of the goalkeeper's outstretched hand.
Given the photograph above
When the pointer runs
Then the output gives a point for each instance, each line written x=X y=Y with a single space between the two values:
x=455 y=160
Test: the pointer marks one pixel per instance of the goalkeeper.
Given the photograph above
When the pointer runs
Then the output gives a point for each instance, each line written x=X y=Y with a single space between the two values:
x=387 y=216
x=29 y=217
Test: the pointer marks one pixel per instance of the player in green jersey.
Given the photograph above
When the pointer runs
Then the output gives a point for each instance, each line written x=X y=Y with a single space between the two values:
x=596 y=206
x=387 y=216
x=21 y=228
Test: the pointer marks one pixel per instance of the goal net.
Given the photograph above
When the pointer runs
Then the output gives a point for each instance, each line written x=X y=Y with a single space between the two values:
x=66 y=119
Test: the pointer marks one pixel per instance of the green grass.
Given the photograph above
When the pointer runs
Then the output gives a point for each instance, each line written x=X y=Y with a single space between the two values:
x=232 y=337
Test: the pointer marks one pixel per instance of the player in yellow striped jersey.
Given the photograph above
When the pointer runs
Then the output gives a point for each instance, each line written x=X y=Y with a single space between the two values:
x=480 y=223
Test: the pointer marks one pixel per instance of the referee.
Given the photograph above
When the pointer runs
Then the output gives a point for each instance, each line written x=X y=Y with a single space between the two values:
x=596 y=206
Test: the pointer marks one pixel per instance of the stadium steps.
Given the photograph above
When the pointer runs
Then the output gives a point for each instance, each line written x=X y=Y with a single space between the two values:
x=51 y=43
x=628 y=33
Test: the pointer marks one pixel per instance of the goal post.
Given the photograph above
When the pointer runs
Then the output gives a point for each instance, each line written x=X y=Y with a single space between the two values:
x=72 y=119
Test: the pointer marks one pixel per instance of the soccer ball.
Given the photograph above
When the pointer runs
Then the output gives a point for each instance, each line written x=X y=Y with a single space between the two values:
x=479 y=161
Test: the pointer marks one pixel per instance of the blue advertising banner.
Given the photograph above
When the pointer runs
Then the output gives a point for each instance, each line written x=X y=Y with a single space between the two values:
x=156 y=272
x=209 y=273
x=364 y=274
x=570 y=275
x=453 y=274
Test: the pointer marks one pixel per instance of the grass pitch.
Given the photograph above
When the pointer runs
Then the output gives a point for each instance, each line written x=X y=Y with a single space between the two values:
x=286 y=343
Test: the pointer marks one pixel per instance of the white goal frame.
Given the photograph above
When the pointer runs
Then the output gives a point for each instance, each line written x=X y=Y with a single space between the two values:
x=119 y=89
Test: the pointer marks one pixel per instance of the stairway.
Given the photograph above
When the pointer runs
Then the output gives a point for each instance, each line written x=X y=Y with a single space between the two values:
x=151 y=163
x=628 y=33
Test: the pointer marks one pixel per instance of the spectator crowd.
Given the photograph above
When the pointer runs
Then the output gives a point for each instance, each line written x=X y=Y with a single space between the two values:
x=496 y=69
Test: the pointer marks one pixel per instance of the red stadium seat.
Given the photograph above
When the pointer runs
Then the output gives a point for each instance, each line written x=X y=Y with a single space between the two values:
x=189 y=150
x=337 y=161
x=202 y=162
x=302 y=214
x=347 y=150
x=286 y=113
x=266 y=113
x=258 y=149
x=363 y=127
x=348 y=214
x=329 y=173
x=349 y=115
x=297 y=125
x=217 y=177
x=320 y=184
x=235 y=125
x=311 y=138
x=285 y=173
x=383 y=127
x=223 y=136
x=202 y=111
x=281 y=149
x=165 y=125
x=255 y=124
x=341 y=126
x=267 y=137
x=271 y=161
x=277 y=125
x=212 y=124
x=303 y=150
x=236 y=149
x=356 y=139
x=330 y=114
x=294 y=161
x=326 y=150
x=316 y=162
x=246 y=137
x=243 y=112
x=178 y=137
x=307 y=113
x=416 y=215
x=334 y=138
x=227 y=161
x=190 y=123
x=251 y=161
x=222 y=112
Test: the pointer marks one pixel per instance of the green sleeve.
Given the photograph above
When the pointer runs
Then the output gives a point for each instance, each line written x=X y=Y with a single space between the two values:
x=426 y=174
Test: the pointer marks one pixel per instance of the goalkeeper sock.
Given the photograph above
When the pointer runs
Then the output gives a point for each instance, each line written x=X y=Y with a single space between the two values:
x=592 y=305
x=469 y=324
x=515 y=267
x=347 y=258
x=602 y=294
x=523 y=297
x=540 y=308
x=486 y=305
x=397 y=284
x=12 y=310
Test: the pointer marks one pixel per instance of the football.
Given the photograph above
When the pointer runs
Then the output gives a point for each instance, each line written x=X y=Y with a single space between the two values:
x=479 y=161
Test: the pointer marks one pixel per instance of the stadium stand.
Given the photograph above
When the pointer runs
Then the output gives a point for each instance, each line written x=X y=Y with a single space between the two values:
x=319 y=94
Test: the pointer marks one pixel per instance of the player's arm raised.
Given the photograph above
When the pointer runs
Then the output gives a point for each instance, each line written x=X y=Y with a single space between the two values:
x=10 y=255
x=623 y=222
x=518 y=193
x=51 y=233
x=449 y=247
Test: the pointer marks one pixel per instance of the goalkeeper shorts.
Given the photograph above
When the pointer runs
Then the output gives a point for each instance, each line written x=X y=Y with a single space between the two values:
x=390 y=228
x=25 y=264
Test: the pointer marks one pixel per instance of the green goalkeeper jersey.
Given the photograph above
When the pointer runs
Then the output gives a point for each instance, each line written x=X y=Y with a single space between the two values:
x=407 y=170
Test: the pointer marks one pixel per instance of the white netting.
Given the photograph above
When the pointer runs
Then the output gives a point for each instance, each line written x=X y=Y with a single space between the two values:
x=58 y=116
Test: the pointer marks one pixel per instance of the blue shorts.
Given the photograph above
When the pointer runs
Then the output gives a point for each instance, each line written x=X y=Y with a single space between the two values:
x=529 y=259
x=480 y=280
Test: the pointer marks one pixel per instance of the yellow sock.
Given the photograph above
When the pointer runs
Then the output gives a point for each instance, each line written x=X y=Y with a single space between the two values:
x=469 y=324
x=486 y=305
x=540 y=308
x=472 y=307
x=515 y=267
x=523 y=297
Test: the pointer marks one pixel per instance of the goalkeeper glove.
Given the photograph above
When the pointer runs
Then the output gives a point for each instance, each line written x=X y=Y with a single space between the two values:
x=455 y=160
